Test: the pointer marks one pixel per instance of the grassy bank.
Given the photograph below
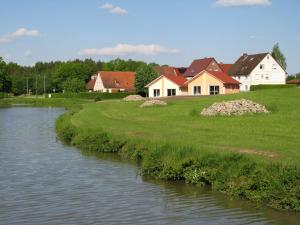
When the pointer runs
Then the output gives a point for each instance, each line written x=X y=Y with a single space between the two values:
x=254 y=157
x=43 y=102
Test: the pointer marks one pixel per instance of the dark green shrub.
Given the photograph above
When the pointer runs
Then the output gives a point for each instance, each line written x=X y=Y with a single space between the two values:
x=66 y=131
x=97 y=99
x=96 y=141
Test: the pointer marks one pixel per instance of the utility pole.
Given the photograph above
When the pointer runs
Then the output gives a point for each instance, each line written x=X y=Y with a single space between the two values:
x=36 y=92
x=27 y=90
x=44 y=86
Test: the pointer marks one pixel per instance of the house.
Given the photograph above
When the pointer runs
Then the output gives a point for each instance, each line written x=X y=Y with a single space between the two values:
x=198 y=65
x=203 y=83
x=91 y=84
x=257 y=69
x=212 y=83
x=294 y=81
x=167 y=85
x=112 y=81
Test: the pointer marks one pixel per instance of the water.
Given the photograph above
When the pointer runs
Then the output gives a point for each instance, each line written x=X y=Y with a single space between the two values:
x=45 y=182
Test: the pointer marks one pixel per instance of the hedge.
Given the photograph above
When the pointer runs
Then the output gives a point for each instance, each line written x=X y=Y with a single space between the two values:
x=92 y=95
x=270 y=86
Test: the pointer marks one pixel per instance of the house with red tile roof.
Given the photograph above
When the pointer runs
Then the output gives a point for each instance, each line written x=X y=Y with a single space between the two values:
x=212 y=83
x=112 y=81
x=167 y=85
x=203 y=77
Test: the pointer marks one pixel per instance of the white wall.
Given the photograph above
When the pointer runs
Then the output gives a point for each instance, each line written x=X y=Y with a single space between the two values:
x=99 y=85
x=272 y=73
x=163 y=84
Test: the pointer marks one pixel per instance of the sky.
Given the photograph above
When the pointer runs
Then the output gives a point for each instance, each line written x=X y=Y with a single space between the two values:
x=173 y=32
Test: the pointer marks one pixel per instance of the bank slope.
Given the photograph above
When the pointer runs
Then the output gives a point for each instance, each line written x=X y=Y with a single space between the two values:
x=255 y=157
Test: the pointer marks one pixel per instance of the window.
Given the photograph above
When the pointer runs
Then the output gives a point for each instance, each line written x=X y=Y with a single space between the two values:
x=267 y=76
x=214 y=90
x=156 y=92
x=197 y=90
x=171 y=92
x=261 y=66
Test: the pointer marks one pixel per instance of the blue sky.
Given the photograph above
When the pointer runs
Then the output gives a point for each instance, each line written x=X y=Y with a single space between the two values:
x=170 y=32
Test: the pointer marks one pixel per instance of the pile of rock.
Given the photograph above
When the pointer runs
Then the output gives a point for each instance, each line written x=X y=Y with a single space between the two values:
x=133 y=98
x=153 y=102
x=234 y=108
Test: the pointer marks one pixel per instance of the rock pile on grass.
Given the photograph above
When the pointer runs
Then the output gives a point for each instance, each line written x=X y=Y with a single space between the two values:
x=153 y=103
x=133 y=98
x=234 y=108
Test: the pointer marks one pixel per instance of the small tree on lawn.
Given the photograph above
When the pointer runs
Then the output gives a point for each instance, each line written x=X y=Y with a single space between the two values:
x=73 y=85
x=144 y=75
x=278 y=56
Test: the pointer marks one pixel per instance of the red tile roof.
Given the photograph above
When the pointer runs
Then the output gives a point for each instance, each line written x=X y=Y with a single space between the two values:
x=179 y=80
x=90 y=85
x=224 y=77
x=167 y=70
x=118 y=80
x=225 y=67
x=197 y=66
x=293 y=81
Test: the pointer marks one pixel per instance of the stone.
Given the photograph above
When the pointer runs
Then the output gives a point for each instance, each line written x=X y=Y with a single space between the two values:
x=133 y=98
x=234 y=108
x=153 y=103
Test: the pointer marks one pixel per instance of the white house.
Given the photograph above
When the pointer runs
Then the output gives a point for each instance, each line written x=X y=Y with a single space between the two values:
x=167 y=85
x=257 y=69
x=112 y=81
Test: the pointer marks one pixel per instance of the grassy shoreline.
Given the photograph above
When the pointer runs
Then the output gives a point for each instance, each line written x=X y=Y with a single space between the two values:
x=140 y=135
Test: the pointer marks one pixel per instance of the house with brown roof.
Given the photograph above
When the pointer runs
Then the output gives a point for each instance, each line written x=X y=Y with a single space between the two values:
x=113 y=81
x=198 y=65
x=257 y=69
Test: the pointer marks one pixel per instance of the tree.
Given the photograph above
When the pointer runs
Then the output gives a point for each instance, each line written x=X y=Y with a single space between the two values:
x=290 y=77
x=278 y=56
x=4 y=82
x=69 y=70
x=144 y=75
x=297 y=76
x=73 y=85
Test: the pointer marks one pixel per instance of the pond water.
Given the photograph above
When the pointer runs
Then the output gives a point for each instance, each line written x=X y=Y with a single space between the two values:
x=44 y=182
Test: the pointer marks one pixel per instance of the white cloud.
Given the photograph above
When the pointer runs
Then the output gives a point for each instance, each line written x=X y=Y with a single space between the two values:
x=229 y=3
x=126 y=49
x=119 y=11
x=20 y=33
x=23 y=32
x=107 y=6
x=113 y=9
x=5 y=39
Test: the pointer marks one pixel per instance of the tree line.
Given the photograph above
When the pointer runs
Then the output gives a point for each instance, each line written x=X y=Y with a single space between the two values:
x=70 y=76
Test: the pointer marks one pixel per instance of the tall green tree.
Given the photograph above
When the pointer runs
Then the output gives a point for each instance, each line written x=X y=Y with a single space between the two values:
x=5 y=84
x=144 y=75
x=73 y=85
x=279 y=56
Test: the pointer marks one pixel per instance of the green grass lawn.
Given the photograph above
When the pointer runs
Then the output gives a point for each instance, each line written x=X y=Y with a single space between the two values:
x=276 y=136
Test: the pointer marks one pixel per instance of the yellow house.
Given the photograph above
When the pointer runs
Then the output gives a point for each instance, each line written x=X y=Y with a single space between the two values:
x=203 y=83
x=212 y=83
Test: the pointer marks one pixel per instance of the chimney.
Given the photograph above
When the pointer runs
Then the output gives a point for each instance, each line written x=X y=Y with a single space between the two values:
x=245 y=54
